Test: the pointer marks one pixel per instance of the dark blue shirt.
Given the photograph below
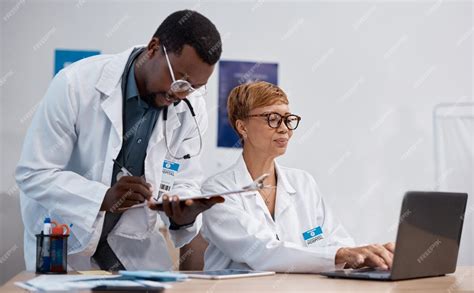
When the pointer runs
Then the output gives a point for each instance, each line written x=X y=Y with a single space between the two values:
x=138 y=124
x=140 y=120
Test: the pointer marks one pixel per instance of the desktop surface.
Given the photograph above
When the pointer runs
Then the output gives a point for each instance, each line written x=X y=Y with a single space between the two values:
x=461 y=281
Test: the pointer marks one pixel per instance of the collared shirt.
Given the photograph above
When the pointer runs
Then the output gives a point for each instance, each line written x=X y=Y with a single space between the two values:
x=140 y=119
x=138 y=124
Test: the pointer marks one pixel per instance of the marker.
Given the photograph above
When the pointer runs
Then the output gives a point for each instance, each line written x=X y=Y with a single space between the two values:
x=46 y=247
x=70 y=226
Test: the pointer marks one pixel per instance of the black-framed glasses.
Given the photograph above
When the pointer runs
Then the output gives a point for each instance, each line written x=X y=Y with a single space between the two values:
x=274 y=119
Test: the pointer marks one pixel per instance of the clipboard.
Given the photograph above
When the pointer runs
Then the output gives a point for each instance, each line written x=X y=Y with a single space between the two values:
x=256 y=185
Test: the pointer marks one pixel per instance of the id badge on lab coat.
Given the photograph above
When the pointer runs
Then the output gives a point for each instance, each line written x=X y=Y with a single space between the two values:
x=313 y=236
x=131 y=228
x=167 y=178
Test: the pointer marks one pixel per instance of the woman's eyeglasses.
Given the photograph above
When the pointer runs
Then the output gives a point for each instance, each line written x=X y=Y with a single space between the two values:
x=274 y=120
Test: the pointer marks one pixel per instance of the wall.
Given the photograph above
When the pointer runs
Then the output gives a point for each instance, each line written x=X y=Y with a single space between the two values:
x=365 y=77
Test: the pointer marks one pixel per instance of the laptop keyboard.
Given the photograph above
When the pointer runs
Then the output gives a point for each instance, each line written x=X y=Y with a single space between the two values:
x=369 y=270
x=363 y=273
x=371 y=273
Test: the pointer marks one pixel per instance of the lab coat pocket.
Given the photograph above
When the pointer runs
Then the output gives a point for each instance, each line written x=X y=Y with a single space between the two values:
x=137 y=223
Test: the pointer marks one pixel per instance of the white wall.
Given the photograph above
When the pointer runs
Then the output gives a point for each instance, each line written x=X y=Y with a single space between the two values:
x=365 y=77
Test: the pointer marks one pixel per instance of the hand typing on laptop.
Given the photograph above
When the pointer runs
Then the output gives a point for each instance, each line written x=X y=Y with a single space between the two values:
x=375 y=256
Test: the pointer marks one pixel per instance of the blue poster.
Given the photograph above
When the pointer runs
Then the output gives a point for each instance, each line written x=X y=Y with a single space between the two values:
x=232 y=74
x=63 y=58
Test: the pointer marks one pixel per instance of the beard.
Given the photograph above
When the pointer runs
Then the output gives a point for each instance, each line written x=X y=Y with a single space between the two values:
x=159 y=100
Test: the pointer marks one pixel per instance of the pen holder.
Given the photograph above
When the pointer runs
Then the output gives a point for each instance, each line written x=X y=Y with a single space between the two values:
x=51 y=254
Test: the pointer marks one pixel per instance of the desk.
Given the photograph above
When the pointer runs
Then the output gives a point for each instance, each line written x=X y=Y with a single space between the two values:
x=462 y=280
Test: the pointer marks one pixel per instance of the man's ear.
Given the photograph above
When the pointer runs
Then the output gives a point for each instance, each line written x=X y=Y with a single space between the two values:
x=153 y=47
x=241 y=128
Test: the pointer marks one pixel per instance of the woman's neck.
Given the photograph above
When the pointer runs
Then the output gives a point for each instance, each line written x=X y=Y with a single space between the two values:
x=258 y=164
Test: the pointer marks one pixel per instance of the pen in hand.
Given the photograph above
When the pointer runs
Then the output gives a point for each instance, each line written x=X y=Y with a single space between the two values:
x=127 y=191
x=122 y=168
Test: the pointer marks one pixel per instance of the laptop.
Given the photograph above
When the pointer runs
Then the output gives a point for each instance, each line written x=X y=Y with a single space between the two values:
x=429 y=233
x=226 y=274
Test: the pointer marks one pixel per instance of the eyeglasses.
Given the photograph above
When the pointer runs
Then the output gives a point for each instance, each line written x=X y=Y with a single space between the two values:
x=274 y=120
x=182 y=87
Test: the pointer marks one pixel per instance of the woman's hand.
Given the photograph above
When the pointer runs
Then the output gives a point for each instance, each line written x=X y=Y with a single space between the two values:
x=375 y=256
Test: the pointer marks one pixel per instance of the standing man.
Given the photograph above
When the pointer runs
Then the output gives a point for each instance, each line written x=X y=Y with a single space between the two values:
x=129 y=108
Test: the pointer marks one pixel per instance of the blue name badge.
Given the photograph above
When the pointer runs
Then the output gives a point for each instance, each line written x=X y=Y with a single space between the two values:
x=170 y=165
x=167 y=177
x=313 y=235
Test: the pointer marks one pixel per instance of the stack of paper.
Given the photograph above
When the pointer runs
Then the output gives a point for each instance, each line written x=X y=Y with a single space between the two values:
x=127 y=279
x=155 y=275
x=55 y=282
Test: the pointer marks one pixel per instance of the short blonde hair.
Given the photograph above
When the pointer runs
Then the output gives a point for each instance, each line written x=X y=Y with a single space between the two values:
x=246 y=97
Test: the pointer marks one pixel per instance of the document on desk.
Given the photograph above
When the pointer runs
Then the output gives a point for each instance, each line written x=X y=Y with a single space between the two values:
x=79 y=282
x=56 y=282
x=155 y=276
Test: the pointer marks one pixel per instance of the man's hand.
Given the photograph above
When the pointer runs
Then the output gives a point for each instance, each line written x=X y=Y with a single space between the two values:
x=184 y=212
x=128 y=191
x=375 y=256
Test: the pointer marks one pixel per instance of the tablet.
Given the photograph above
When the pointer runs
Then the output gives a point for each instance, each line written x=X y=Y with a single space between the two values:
x=256 y=185
x=248 y=191
x=198 y=196
x=226 y=274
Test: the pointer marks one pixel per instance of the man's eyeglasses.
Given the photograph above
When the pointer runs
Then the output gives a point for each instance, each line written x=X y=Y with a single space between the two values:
x=274 y=120
x=182 y=87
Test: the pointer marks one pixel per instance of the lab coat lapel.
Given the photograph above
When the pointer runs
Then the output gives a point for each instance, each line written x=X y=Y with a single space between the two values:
x=241 y=174
x=110 y=86
x=112 y=107
x=253 y=201
x=171 y=124
x=286 y=196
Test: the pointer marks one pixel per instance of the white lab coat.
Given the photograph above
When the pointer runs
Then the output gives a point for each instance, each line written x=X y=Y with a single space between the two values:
x=242 y=234
x=66 y=166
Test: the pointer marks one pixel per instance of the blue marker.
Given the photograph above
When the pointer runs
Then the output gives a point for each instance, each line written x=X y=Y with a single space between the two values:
x=46 y=245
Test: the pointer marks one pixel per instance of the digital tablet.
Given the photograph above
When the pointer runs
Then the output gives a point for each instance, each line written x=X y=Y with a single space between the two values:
x=256 y=185
x=209 y=195
x=226 y=274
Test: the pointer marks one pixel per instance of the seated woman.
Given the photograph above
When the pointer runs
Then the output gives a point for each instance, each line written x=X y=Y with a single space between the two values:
x=288 y=228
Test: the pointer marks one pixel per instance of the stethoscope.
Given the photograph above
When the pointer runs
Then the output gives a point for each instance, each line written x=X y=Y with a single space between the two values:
x=165 y=118
x=135 y=54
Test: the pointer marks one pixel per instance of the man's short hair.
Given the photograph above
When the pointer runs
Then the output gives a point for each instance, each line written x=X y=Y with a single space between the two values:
x=188 y=27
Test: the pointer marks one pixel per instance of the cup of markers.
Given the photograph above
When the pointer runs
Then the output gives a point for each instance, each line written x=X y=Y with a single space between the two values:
x=51 y=248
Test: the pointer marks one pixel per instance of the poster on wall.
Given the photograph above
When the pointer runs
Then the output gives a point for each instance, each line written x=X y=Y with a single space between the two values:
x=231 y=74
x=63 y=58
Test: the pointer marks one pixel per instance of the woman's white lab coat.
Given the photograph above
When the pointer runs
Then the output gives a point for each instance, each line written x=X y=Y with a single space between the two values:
x=66 y=166
x=242 y=234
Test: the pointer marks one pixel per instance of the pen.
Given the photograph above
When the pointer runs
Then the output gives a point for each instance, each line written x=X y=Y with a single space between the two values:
x=127 y=173
x=67 y=232
x=123 y=169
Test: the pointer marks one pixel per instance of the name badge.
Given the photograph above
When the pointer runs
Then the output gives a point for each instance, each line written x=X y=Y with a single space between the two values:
x=168 y=174
x=313 y=235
